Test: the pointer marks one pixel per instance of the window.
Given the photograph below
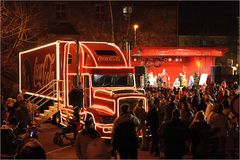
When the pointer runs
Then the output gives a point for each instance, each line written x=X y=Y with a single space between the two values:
x=99 y=11
x=105 y=53
x=61 y=10
x=112 y=80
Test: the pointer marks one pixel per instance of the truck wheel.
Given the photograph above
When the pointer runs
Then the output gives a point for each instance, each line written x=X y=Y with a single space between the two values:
x=56 y=119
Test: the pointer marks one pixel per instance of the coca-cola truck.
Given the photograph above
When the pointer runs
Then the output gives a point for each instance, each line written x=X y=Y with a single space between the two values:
x=99 y=70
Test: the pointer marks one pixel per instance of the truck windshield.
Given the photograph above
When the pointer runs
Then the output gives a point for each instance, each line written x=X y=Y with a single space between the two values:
x=112 y=80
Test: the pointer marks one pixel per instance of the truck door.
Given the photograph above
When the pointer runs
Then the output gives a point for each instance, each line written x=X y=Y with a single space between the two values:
x=86 y=91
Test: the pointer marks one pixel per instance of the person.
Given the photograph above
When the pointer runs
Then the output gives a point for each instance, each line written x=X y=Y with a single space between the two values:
x=200 y=134
x=191 y=81
x=159 y=80
x=152 y=79
x=98 y=148
x=33 y=149
x=180 y=77
x=124 y=136
x=186 y=114
x=220 y=123
x=164 y=77
x=209 y=108
x=175 y=144
x=176 y=83
x=184 y=81
x=22 y=115
x=196 y=100
x=76 y=97
x=153 y=122
x=84 y=137
x=76 y=121
x=9 y=139
x=169 y=108
x=141 y=114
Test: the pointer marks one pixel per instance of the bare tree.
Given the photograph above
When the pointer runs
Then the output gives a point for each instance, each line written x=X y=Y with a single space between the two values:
x=112 y=24
x=19 y=29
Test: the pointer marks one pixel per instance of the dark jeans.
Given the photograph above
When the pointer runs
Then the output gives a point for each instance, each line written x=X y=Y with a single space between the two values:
x=128 y=153
x=155 y=141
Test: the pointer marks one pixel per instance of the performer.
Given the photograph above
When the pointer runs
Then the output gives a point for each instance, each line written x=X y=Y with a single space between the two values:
x=152 y=79
x=176 y=83
x=164 y=77
x=159 y=80
x=191 y=81
x=184 y=81
x=180 y=78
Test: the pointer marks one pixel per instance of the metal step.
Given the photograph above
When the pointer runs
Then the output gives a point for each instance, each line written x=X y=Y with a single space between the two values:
x=53 y=109
x=46 y=112
x=56 y=104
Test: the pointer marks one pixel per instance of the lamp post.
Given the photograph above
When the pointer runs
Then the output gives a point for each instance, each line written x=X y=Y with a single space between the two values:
x=135 y=34
x=127 y=11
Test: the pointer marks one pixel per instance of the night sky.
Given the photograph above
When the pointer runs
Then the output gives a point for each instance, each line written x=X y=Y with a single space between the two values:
x=208 y=18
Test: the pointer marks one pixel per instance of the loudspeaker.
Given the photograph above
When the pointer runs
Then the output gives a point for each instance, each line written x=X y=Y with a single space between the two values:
x=227 y=71
x=216 y=74
x=139 y=70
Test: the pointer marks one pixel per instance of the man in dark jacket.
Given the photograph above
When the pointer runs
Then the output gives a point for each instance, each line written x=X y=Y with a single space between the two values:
x=76 y=97
x=176 y=136
x=124 y=136
x=153 y=122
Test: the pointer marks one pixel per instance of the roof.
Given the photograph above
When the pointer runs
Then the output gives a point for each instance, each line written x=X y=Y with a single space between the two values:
x=178 y=51
x=64 y=28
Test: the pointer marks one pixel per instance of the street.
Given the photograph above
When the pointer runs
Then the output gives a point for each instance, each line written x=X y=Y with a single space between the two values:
x=67 y=151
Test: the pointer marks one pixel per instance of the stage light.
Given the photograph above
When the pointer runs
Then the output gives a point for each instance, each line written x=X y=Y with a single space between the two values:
x=169 y=59
x=180 y=59
x=134 y=59
x=176 y=59
x=198 y=63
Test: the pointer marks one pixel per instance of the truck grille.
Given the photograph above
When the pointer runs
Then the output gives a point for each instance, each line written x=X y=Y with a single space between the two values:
x=131 y=101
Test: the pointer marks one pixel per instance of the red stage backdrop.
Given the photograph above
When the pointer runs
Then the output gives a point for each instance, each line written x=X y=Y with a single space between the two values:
x=176 y=60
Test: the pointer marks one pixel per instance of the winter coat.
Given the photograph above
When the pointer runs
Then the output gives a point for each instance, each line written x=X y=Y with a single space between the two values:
x=83 y=139
x=124 y=131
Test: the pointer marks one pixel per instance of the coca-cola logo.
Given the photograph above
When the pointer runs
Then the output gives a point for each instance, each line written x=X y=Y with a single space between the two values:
x=109 y=59
x=44 y=71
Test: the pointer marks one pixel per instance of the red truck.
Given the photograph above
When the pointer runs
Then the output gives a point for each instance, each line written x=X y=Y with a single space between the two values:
x=100 y=69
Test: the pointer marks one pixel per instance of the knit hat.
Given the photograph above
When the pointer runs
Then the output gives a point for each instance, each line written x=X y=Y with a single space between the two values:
x=176 y=113
x=125 y=108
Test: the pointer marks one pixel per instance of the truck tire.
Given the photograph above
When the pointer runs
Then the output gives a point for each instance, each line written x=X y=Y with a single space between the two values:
x=56 y=119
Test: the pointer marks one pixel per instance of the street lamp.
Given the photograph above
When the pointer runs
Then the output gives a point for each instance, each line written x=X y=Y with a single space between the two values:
x=135 y=34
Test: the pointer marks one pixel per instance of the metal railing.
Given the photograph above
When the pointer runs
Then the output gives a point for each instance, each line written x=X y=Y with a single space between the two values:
x=49 y=92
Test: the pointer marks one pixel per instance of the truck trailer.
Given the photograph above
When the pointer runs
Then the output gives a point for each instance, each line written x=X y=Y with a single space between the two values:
x=98 y=71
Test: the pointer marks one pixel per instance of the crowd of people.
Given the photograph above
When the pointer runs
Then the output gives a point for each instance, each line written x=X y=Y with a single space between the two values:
x=197 y=120
x=19 y=138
